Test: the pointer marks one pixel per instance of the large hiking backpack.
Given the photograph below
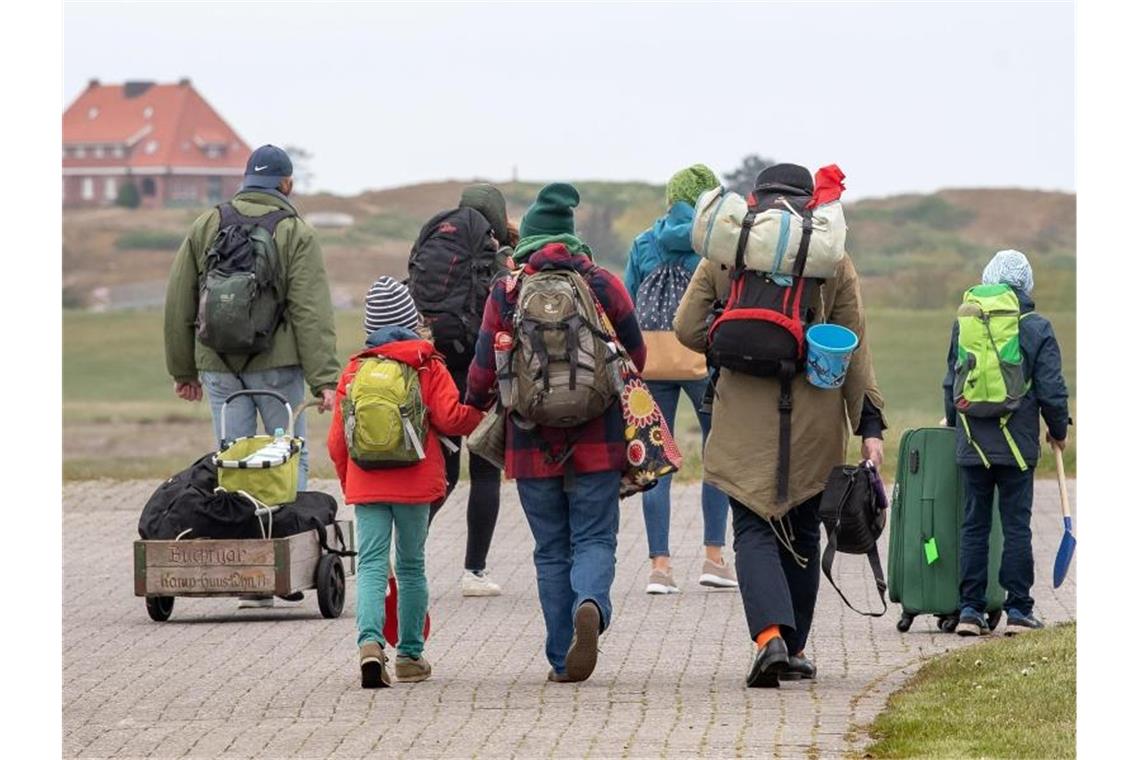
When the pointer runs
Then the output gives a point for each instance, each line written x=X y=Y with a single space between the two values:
x=658 y=299
x=561 y=354
x=385 y=419
x=761 y=330
x=241 y=299
x=450 y=271
x=989 y=379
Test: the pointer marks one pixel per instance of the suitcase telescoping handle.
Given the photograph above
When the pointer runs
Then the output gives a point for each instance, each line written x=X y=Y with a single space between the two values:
x=249 y=392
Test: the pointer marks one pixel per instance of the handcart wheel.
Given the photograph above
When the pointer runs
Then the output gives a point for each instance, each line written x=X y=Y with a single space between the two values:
x=993 y=619
x=905 y=620
x=947 y=623
x=330 y=585
x=159 y=608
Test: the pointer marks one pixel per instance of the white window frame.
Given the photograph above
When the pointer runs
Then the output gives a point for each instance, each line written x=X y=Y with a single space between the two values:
x=80 y=151
x=110 y=188
x=87 y=188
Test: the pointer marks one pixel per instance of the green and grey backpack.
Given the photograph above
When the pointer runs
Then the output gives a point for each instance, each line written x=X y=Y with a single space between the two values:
x=241 y=296
x=385 y=419
x=989 y=379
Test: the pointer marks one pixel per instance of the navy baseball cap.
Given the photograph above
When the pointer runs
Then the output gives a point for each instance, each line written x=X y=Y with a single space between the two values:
x=267 y=166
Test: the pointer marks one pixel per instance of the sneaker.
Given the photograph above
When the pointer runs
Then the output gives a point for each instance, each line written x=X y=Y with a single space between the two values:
x=718 y=575
x=972 y=623
x=661 y=582
x=799 y=667
x=582 y=655
x=478 y=584
x=1016 y=622
x=767 y=664
x=412 y=669
x=555 y=677
x=373 y=674
x=254 y=602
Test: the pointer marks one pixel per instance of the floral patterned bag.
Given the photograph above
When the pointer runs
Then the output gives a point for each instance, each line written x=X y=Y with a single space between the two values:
x=650 y=451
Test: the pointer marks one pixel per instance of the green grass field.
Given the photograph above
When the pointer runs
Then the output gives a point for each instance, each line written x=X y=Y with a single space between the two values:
x=121 y=418
x=1002 y=698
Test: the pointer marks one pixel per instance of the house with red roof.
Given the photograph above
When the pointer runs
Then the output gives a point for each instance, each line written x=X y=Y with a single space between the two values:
x=165 y=139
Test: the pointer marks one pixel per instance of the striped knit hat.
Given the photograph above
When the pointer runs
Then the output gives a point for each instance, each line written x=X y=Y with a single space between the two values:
x=389 y=303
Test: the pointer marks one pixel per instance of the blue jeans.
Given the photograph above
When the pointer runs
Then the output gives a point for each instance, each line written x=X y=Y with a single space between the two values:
x=655 y=502
x=241 y=413
x=1015 y=505
x=575 y=550
x=374 y=523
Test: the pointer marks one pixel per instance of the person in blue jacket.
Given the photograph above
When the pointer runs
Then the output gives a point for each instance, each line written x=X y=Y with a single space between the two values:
x=667 y=242
x=1046 y=397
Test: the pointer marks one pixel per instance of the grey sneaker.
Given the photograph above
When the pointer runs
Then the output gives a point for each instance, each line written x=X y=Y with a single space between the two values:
x=972 y=623
x=479 y=584
x=717 y=575
x=373 y=674
x=661 y=582
x=412 y=669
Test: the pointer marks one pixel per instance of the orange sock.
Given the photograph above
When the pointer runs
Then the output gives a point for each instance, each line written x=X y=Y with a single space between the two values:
x=766 y=635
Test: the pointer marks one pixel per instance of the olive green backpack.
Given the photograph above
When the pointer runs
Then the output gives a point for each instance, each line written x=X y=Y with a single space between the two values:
x=385 y=419
x=989 y=379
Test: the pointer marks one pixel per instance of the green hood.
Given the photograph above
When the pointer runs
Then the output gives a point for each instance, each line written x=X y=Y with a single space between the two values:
x=529 y=245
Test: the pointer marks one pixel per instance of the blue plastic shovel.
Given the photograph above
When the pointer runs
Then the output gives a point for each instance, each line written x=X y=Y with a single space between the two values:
x=1068 y=540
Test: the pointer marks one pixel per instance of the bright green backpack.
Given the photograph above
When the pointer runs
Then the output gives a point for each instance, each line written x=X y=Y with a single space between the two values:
x=989 y=380
x=385 y=420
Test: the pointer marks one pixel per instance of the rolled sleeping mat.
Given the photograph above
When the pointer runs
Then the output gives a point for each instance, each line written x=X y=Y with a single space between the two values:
x=775 y=236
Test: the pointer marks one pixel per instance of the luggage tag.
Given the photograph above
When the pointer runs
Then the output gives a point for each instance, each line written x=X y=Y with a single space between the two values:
x=930 y=548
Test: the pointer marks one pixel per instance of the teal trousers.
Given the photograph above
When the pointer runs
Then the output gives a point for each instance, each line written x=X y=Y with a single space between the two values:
x=374 y=526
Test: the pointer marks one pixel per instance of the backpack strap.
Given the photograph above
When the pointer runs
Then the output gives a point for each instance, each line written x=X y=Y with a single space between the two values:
x=742 y=241
x=314 y=524
x=784 y=454
x=229 y=216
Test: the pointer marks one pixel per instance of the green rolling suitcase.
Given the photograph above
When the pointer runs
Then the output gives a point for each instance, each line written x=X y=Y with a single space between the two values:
x=928 y=506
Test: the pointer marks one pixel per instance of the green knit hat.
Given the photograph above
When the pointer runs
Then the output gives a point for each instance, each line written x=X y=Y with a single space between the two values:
x=552 y=212
x=688 y=184
x=488 y=201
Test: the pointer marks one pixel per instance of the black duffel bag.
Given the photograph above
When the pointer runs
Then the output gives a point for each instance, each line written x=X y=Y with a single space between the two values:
x=853 y=511
x=188 y=506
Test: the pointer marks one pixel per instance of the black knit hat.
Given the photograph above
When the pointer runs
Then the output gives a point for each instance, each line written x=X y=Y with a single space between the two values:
x=788 y=176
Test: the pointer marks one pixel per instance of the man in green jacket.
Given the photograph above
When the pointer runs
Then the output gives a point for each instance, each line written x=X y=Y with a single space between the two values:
x=303 y=350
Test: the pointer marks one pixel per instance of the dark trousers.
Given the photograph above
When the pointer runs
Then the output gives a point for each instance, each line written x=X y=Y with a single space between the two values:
x=1015 y=505
x=482 y=499
x=774 y=588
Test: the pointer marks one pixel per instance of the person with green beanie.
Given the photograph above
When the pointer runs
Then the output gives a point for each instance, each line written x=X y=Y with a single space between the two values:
x=550 y=219
x=660 y=264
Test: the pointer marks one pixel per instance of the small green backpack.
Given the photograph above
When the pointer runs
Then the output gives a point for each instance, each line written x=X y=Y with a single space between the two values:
x=989 y=379
x=385 y=419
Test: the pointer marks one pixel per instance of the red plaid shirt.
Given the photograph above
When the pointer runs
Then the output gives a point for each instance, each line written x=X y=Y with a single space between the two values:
x=599 y=445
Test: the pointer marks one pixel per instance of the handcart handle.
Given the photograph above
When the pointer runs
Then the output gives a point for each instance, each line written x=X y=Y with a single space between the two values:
x=256 y=392
x=301 y=409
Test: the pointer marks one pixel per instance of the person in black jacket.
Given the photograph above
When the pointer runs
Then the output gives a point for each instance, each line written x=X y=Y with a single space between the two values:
x=1047 y=396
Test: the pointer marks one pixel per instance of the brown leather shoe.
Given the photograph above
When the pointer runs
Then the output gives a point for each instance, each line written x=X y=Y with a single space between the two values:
x=556 y=677
x=583 y=653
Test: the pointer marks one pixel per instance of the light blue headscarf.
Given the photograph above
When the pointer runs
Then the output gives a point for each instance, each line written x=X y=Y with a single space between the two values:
x=1009 y=267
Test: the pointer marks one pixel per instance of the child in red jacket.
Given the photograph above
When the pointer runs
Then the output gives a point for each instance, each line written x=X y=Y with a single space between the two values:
x=398 y=497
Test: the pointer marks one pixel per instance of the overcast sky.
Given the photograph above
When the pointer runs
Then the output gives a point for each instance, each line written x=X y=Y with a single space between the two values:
x=904 y=97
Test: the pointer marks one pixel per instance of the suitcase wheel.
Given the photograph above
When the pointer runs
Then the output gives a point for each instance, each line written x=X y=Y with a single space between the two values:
x=947 y=623
x=993 y=618
x=904 y=622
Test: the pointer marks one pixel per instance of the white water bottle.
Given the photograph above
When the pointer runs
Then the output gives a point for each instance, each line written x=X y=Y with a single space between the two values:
x=613 y=359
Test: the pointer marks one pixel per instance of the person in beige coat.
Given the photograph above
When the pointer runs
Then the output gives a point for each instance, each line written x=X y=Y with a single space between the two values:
x=777 y=545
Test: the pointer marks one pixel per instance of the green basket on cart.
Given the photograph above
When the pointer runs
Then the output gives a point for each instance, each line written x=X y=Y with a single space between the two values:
x=271 y=482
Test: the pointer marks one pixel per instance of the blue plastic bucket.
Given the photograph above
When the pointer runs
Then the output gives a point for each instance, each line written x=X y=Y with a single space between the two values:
x=829 y=349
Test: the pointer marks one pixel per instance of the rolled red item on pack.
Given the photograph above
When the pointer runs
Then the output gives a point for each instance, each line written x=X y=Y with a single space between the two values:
x=828 y=185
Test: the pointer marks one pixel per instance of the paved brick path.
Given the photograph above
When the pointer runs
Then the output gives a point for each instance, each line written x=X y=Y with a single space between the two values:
x=218 y=682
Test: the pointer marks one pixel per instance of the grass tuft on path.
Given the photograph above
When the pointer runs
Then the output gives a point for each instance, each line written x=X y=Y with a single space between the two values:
x=1011 y=697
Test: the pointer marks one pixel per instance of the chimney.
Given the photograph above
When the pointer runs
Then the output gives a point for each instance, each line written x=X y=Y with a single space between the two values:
x=92 y=83
x=184 y=82
x=136 y=88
